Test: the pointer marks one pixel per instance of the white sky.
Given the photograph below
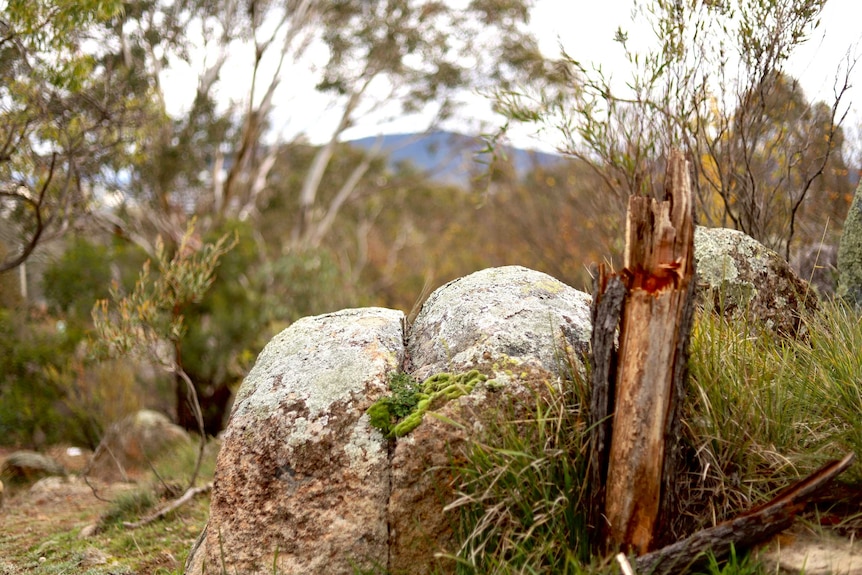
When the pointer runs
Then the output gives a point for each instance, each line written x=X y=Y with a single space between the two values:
x=585 y=28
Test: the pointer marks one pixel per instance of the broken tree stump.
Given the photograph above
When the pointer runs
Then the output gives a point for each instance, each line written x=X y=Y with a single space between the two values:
x=638 y=387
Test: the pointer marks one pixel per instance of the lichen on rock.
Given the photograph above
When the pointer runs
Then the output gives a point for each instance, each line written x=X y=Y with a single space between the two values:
x=508 y=311
x=739 y=277
x=299 y=445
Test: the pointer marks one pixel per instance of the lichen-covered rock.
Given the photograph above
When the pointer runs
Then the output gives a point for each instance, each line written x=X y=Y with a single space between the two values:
x=850 y=253
x=507 y=312
x=302 y=479
x=516 y=324
x=739 y=277
x=133 y=443
x=29 y=466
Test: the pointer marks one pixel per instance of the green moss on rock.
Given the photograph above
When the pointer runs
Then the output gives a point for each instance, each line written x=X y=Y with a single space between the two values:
x=398 y=414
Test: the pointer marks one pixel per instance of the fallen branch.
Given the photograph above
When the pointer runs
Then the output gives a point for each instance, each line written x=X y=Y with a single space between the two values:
x=746 y=530
x=190 y=494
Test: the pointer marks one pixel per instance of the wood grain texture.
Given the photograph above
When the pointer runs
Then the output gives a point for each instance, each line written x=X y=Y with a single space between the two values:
x=641 y=383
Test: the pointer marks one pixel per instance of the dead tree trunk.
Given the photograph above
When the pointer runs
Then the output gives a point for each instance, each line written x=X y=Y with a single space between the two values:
x=637 y=389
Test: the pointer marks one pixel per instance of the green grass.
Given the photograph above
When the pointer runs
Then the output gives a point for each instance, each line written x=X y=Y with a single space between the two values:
x=765 y=410
x=762 y=411
x=736 y=564
x=129 y=506
x=521 y=499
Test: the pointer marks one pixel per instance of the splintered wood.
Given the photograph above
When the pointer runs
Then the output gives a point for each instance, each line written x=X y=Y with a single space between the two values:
x=644 y=378
x=636 y=466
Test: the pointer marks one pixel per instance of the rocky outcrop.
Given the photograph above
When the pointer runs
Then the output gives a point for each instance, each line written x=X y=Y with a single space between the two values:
x=739 y=277
x=517 y=325
x=304 y=482
x=302 y=478
x=132 y=444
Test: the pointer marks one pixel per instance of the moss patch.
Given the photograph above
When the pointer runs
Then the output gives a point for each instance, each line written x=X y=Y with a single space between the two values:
x=398 y=414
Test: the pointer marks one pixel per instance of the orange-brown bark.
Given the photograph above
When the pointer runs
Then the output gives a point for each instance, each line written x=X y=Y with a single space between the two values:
x=654 y=322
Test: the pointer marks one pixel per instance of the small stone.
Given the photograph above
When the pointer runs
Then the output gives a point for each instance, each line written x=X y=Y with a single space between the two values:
x=89 y=531
x=28 y=467
x=799 y=551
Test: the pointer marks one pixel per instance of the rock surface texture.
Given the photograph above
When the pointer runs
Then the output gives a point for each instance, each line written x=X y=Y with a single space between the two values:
x=304 y=482
x=740 y=277
x=508 y=312
x=850 y=253
x=302 y=479
x=519 y=326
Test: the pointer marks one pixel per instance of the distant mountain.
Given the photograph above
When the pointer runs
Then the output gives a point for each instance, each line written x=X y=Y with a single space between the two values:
x=450 y=157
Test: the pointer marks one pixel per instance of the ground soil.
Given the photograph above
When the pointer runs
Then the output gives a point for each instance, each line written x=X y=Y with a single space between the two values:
x=43 y=529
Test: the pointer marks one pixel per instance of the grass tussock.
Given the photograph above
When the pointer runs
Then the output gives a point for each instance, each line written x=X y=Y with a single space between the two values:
x=522 y=497
x=761 y=412
x=765 y=410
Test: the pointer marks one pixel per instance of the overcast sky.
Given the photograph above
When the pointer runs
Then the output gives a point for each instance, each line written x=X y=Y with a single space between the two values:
x=586 y=30
x=587 y=27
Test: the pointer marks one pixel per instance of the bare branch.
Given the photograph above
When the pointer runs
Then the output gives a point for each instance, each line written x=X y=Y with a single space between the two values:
x=36 y=204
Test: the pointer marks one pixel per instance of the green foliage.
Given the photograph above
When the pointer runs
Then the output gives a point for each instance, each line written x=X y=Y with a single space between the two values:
x=65 y=117
x=850 y=253
x=387 y=411
x=734 y=565
x=398 y=414
x=305 y=282
x=764 y=410
x=764 y=159
x=35 y=376
x=128 y=506
x=74 y=282
x=153 y=312
x=760 y=413
x=227 y=326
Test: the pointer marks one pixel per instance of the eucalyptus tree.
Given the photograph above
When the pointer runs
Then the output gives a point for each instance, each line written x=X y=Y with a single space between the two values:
x=216 y=160
x=61 y=115
x=381 y=59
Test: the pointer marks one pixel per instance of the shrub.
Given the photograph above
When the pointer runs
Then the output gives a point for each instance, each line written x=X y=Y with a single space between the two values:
x=850 y=253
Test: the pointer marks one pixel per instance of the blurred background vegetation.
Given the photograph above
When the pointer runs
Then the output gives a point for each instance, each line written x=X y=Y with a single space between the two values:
x=95 y=168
